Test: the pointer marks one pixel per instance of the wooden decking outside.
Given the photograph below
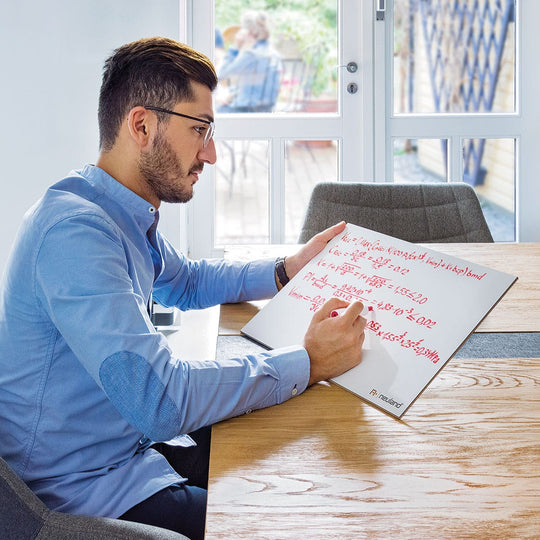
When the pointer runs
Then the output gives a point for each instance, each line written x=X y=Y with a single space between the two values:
x=242 y=189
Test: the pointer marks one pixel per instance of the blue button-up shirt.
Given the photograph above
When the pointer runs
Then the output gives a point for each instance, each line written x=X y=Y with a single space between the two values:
x=84 y=376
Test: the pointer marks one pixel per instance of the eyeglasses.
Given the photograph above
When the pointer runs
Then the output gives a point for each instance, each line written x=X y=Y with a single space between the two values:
x=208 y=134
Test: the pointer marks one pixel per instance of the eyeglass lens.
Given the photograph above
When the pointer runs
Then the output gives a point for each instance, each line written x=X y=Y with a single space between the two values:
x=209 y=135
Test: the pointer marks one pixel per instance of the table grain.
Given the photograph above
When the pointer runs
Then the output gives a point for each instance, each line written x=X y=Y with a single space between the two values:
x=463 y=463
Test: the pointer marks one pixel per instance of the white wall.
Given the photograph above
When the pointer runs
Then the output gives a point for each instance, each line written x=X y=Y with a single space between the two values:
x=51 y=59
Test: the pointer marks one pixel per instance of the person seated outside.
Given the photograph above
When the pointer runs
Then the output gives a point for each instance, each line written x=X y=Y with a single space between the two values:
x=252 y=67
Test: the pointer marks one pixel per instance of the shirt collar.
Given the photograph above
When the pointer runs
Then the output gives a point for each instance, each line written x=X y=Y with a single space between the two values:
x=144 y=213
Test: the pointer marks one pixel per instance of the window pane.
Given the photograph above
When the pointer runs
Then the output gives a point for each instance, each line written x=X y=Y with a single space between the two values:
x=306 y=163
x=489 y=165
x=276 y=56
x=242 y=180
x=420 y=160
x=454 y=56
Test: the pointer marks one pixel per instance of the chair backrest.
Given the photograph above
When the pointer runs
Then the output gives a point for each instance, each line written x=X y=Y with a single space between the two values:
x=419 y=213
x=23 y=516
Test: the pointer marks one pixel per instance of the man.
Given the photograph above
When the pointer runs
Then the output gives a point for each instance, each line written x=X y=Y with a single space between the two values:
x=252 y=67
x=87 y=386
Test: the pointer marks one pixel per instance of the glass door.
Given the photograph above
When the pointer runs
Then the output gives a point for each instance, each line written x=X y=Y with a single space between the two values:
x=453 y=106
x=292 y=82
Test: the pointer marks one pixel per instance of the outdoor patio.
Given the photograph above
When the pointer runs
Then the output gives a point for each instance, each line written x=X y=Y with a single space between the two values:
x=242 y=198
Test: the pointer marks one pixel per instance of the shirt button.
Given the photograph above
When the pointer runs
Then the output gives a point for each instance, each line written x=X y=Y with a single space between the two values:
x=249 y=411
x=294 y=391
x=151 y=209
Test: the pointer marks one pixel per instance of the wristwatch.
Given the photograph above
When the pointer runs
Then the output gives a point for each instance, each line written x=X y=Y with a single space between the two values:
x=280 y=271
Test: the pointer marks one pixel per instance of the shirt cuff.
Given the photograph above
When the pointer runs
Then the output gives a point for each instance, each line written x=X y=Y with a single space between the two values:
x=261 y=280
x=292 y=364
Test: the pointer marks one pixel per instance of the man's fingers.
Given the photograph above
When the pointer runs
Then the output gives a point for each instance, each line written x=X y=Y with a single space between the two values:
x=335 y=306
x=353 y=311
x=325 y=311
x=329 y=233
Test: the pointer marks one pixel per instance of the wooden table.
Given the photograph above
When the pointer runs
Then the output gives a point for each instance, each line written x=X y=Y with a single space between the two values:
x=464 y=462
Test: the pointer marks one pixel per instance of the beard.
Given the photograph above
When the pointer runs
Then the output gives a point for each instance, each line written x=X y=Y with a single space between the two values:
x=164 y=173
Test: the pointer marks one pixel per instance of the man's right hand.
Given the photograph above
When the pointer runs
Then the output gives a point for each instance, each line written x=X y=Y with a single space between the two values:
x=334 y=344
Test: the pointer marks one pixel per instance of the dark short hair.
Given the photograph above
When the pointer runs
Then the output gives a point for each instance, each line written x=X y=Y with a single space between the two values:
x=151 y=71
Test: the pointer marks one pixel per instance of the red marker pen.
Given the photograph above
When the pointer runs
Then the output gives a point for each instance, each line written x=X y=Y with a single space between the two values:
x=339 y=311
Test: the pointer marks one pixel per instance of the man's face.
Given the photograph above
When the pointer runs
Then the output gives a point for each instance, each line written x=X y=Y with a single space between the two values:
x=172 y=165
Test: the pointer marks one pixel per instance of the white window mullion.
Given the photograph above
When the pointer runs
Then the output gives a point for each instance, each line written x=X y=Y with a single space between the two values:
x=200 y=211
x=455 y=159
x=277 y=191
x=381 y=100
x=528 y=187
x=356 y=146
x=184 y=10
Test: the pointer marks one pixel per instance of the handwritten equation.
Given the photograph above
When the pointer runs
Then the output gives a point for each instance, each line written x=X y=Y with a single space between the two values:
x=388 y=252
x=353 y=292
x=356 y=269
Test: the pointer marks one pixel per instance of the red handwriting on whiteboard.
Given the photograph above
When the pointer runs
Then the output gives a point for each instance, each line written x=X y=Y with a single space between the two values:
x=366 y=244
x=377 y=262
x=315 y=301
x=417 y=345
x=413 y=295
x=410 y=314
x=368 y=296
x=319 y=282
x=372 y=280
x=350 y=293
x=378 y=274
x=378 y=281
x=434 y=261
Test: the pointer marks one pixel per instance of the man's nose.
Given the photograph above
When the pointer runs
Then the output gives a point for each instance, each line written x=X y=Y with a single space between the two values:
x=208 y=153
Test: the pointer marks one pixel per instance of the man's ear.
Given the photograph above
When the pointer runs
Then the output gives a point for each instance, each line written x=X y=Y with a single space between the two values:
x=141 y=123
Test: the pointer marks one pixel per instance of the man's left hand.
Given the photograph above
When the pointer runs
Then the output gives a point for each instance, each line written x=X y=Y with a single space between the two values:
x=294 y=263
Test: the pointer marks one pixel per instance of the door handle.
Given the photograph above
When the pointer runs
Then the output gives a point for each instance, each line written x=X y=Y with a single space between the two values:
x=380 y=9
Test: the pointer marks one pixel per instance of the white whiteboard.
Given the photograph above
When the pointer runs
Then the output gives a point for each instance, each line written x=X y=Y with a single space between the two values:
x=425 y=305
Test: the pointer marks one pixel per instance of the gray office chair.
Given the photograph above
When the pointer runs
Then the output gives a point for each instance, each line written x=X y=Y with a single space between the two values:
x=23 y=517
x=418 y=213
